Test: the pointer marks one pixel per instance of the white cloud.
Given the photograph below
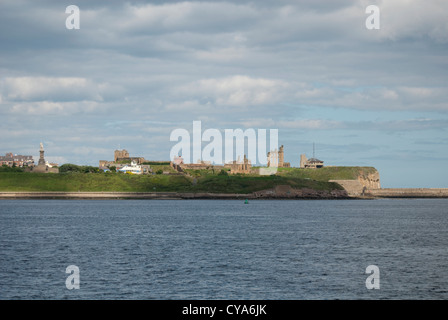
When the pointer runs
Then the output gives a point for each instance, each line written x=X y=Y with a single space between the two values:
x=204 y=16
x=186 y=106
x=323 y=124
x=308 y=124
x=222 y=54
x=54 y=89
x=375 y=98
x=54 y=108
x=239 y=90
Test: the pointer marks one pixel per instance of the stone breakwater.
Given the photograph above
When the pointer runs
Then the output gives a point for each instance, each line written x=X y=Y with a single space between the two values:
x=407 y=193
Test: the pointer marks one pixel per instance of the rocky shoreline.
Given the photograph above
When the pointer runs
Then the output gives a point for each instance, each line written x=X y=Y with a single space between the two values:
x=279 y=192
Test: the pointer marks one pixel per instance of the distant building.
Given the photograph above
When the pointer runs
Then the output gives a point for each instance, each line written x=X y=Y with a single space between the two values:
x=122 y=160
x=200 y=165
x=11 y=160
x=238 y=166
x=312 y=163
x=120 y=154
x=276 y=159
x=235 y=166
x=51 y=164
x=133 y=168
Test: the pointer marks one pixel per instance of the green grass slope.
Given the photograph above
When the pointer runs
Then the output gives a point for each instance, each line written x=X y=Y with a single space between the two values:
x=327 y=173
x=103 y=182
x=90 y=182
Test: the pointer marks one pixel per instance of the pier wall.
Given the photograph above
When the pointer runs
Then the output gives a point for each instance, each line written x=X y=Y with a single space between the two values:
x=353 y=187
x=408 y=193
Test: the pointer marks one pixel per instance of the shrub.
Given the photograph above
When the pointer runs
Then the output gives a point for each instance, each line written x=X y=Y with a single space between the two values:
x=69 y=167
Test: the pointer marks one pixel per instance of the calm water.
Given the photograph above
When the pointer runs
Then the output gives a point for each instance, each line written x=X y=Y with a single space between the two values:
x=212 y=249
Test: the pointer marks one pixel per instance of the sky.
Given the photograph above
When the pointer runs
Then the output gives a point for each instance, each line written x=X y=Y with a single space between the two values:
x=137 y=70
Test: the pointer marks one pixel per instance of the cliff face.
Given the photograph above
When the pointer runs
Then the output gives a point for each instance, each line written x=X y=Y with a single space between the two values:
x=370 y=180
x=366 y=180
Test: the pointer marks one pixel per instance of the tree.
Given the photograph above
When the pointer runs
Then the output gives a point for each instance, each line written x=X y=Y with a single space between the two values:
x=69 y=167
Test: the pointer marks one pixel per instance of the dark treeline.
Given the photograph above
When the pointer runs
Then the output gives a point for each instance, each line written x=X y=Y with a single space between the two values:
x=69 y=167
x=5 y=168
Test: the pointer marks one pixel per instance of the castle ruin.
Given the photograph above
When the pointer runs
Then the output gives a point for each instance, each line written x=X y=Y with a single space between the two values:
x=276 y=159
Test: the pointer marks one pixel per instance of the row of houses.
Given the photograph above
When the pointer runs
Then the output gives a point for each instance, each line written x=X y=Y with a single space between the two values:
x=16 y=160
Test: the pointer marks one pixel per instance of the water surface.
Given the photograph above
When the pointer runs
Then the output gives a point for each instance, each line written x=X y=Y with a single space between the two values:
x=224 y=249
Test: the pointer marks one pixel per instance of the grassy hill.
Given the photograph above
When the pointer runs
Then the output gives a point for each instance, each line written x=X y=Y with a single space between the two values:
x=327 y=173
x=22 y=181
x=201 y=181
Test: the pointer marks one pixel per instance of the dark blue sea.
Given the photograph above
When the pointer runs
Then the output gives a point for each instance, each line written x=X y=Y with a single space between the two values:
x=224 y=249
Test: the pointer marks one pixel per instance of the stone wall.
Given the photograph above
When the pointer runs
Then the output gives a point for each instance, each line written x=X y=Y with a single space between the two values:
x=408 y=193
x=43 y=169
x=370 y=181
x=353 y=187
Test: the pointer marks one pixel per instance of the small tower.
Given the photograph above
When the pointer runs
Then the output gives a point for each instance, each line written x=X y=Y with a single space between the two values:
x=281 y=157
x=303 y=160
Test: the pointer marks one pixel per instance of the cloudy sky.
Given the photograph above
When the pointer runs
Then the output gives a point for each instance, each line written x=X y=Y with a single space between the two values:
x=136 y=70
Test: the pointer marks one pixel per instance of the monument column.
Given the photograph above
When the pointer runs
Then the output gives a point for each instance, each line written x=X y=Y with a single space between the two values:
x=41 y=158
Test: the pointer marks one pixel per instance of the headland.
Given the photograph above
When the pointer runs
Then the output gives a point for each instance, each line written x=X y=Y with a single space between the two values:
x=287 y=183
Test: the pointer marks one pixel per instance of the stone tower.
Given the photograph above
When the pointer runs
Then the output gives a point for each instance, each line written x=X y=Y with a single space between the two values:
x=303 y=160
x=280 y=157
x=273 y=160
x=120 y=154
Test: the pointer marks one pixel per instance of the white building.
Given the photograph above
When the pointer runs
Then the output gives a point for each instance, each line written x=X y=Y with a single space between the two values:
x=133 y=168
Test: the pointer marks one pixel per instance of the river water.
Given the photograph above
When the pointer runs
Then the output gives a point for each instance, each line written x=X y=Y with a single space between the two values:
x=224 y=249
